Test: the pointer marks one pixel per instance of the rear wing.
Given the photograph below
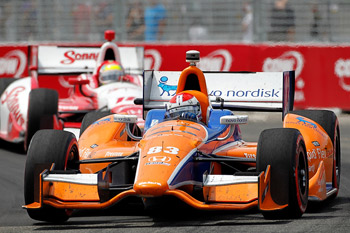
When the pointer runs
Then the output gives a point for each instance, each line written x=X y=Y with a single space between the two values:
x=67 y=60
x=260 y=91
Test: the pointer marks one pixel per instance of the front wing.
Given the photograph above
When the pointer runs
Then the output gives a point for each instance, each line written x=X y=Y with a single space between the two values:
x=88 y=191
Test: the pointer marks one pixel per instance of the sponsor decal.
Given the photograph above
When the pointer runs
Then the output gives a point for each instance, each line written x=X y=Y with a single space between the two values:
x=309 y=125
x=72 y=56
x=11 y=99
x=94 y=146
x=218 y=60
x=85 y=152
x=113 y=154
x=168 y=150
x=68 y=108
x=316 y=154
x=123 y=118
x=165 y=87
x=159 y=160
x=342 y=71
x=257 y=93
x=13 y=63
x=103 y=121
x=311 y=154
x=316 y=143
x=290 y=60
x=306 y=123
x=250 y=156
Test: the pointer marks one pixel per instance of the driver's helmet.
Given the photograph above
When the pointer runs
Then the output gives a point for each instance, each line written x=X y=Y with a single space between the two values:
x=110 y=71
x=185 y=106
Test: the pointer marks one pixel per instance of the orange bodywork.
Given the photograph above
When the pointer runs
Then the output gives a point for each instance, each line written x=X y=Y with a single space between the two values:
x=320 y=155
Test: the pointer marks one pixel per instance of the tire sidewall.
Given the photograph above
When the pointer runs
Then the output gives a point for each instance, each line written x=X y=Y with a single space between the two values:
x=299 y=200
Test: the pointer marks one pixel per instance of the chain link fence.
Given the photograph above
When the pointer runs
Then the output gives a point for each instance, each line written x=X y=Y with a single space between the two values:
x=233 y=21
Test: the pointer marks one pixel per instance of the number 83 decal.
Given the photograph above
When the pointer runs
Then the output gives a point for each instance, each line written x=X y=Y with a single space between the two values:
x=169 y=150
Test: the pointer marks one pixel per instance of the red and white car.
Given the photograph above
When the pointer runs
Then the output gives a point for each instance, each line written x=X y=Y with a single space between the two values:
x=26 y=108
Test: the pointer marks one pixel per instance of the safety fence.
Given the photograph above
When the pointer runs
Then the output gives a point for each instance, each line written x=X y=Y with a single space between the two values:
x=195 y=20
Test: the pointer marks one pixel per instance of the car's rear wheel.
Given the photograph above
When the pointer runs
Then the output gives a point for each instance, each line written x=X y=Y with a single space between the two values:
x=90 y=118
x=329 y=122
x=43 y=106
x=284 y=150
x=47 y=147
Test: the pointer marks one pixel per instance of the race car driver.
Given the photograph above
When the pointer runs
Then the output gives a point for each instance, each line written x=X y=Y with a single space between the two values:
x=110 y=71
x=191 y=105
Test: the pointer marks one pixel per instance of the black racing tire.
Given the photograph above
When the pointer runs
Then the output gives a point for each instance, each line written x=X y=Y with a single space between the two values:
x=90 y=118
x=284 y=150
x=329 y=122
x=42 y=107
x=4 y=83
x=47 y=147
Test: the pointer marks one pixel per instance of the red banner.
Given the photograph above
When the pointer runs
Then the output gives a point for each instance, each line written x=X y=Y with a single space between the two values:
x=322 y=72
x=13 y=61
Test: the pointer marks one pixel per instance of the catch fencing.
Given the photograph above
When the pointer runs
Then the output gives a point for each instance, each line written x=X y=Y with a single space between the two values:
x=196 y=20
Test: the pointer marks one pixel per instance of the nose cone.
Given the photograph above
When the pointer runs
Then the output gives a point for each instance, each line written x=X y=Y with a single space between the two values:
x=150 y=188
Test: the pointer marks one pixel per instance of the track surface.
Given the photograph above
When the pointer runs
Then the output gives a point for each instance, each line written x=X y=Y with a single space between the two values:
x=330 y=216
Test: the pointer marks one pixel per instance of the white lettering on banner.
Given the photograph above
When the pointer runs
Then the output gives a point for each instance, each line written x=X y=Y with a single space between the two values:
x=13 y=63
x=342 y=70
x=72 y=56
x=153 y=59
x=219 y=60
x=291 y=60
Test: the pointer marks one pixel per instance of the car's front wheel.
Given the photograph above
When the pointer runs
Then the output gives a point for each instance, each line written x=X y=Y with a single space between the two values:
x=284 y=150
x=48 y=147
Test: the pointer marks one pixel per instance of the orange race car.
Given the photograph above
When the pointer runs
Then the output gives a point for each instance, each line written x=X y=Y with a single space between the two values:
x=191 y=148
